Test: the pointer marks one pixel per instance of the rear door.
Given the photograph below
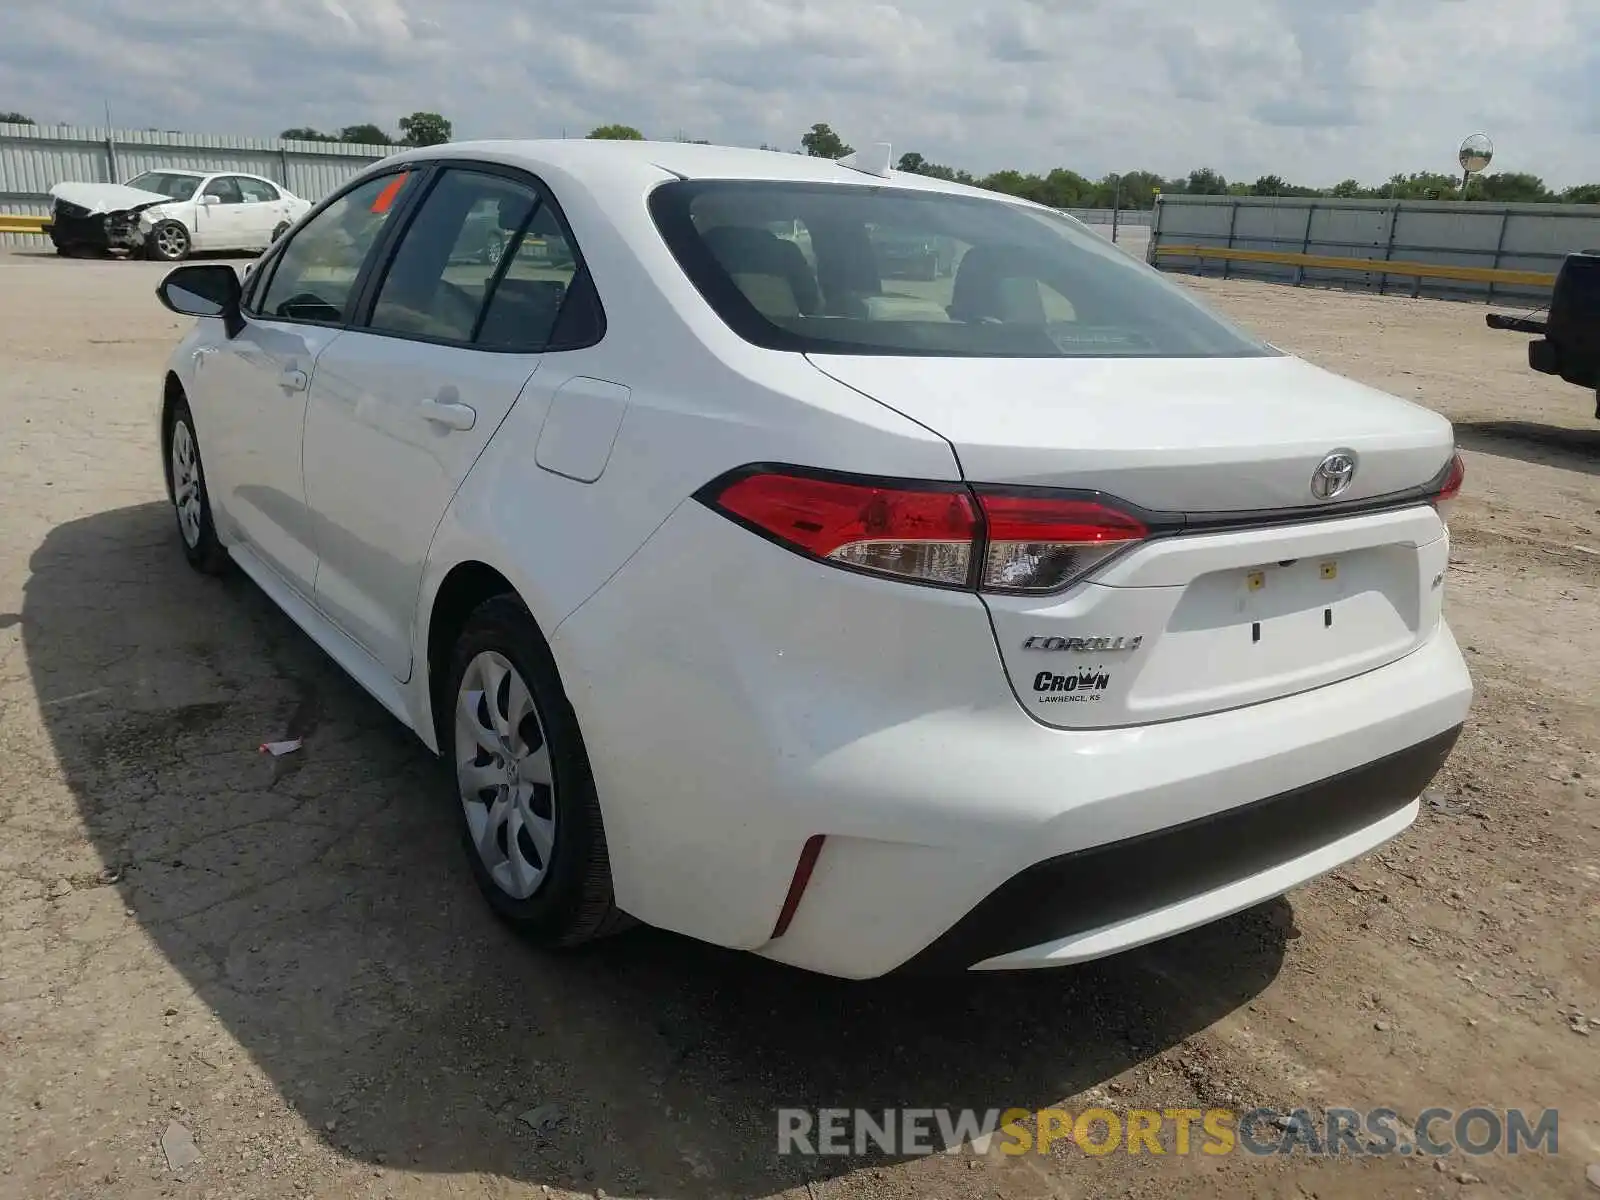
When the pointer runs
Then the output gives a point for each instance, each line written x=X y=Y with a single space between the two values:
x=264 y=209
x=221 y=220
x=403 y=404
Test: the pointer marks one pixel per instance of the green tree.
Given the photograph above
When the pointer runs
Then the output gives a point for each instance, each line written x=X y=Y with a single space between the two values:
x=616 y=133
x=1205 y=182
x=1350 y=189
x=1269 y=185
x=823 y=142
x=304 y=133
x=911 y=163
x=424 y=129
x=369 y=135
x=15 y=118
x=1511 y=187
x=1583 y=193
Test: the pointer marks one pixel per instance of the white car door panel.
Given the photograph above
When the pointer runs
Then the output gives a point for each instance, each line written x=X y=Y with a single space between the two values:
x=255 y=387
x=403 y=409
x=392 y=429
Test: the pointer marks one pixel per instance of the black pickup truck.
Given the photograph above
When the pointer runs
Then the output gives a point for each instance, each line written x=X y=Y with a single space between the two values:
x=1568 y=338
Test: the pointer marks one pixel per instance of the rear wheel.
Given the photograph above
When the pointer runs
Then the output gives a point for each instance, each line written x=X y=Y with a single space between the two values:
x=189 y=499
x=530 y=820
x=168 y=242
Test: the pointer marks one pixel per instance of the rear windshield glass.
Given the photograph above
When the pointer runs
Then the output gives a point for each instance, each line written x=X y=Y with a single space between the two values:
x=179 y=187
x=853 y=269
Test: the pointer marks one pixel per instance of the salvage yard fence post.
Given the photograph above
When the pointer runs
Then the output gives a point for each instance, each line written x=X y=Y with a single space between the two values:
x=34 y=158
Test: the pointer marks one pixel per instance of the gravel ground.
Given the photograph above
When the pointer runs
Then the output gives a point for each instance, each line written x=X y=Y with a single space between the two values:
x=283 y=960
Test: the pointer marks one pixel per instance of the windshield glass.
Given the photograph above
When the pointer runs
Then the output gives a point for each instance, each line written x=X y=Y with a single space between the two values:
x=851 y=269
x=178 y=187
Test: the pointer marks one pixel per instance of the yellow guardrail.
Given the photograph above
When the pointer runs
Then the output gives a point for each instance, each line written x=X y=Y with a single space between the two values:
x=1377 y=266
x=23 y=223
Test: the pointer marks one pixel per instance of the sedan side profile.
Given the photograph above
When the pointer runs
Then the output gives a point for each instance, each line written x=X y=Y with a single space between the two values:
x=757 y=587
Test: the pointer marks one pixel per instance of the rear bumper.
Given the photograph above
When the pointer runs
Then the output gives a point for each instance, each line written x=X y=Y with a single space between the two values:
x=767 y=700
x=1089 y=903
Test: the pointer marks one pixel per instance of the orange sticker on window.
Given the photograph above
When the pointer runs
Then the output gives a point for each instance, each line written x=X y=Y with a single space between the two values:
x=386 y=197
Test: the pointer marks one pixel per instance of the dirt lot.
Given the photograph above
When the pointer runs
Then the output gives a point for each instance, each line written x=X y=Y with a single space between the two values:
x=285 y=957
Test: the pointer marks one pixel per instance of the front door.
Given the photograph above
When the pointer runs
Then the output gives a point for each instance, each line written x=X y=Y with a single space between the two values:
x=221 y=222
x=261 y=379
x=403 y=404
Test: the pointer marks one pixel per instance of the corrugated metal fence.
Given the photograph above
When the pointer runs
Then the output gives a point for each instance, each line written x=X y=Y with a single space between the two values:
x=1456 y=250
x=33 y=158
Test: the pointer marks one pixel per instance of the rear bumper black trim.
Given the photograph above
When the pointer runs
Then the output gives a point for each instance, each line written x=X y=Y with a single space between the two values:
x=1086 y=889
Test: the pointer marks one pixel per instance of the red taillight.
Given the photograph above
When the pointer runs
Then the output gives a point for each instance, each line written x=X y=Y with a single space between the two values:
x=1038 y=544
x=915 y=533
x=1454 y=476
x=931 y=533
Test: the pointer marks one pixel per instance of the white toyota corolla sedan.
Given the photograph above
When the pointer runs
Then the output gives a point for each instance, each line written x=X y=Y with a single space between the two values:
x=870 y=572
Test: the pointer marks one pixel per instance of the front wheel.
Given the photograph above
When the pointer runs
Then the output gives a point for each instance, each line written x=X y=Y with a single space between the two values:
x=168 y=242
x=530 y=820
x=189 y=499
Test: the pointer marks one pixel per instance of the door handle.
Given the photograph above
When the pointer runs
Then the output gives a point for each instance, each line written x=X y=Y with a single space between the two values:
x=450 y=416
x=294 y=380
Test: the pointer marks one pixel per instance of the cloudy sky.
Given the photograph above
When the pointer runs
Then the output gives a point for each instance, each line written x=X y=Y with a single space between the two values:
x=1314 y=90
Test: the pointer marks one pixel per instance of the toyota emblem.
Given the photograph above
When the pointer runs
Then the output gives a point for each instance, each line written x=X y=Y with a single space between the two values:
x=1333 y=474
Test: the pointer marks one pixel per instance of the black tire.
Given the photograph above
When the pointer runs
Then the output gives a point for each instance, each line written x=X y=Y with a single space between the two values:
x=173 y=233
x=574 y=902
x=283 y=228
x=204 y=551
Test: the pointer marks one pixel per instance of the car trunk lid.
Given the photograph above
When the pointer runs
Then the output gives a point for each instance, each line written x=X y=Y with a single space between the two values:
x=1250 y=586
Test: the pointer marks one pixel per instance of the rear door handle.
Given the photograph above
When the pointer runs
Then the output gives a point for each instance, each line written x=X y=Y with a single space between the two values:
x=450 y=416
x=294 y=380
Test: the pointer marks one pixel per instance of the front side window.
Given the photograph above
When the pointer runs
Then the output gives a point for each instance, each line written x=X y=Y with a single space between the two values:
x=314 y=277
x=166 y=183
x=226 y=189
x=860 y=269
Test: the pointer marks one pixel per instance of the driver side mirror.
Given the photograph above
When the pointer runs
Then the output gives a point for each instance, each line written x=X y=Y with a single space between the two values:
x=208 y=199
x=204 y=290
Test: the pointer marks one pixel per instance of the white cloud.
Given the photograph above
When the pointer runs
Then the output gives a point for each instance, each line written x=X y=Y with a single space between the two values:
x=1313 y=90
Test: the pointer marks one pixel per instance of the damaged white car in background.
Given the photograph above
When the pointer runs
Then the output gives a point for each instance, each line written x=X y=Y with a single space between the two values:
x=165 y=215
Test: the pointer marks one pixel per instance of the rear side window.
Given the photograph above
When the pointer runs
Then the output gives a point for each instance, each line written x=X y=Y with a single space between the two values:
x=256 y=191
x=314 y=276
x=859 y=269
x=488 y=262
x=448 y=261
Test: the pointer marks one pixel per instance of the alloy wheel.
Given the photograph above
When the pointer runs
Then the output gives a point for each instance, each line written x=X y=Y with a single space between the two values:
x=172 y=241
x=186 y=493
x=504 y=775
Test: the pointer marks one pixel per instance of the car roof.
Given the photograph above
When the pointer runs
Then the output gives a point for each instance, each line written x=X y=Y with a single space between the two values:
x=597 y=163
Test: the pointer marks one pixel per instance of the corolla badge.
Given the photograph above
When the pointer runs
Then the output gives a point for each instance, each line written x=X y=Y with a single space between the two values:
x=1334 y=474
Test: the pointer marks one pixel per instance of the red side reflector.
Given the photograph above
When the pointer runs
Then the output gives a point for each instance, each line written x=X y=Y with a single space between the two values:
x=797 y=886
